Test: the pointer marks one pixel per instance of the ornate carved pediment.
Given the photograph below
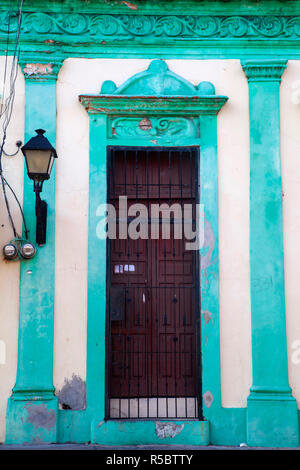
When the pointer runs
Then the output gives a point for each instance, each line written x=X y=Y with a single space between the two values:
x=157 y=80
x=156 y=91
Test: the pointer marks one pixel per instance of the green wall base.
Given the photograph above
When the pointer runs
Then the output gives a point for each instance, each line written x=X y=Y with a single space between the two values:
x=31 y=421
x=150 y=432
x=272 y=421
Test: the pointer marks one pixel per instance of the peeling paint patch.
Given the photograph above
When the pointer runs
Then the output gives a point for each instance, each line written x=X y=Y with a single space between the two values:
x=38 y=69
x=165 y=430
x=40 y=417
x=72 y=396
x=130 y=5
x=207 y=316
x=208 y=247
x=208 y=399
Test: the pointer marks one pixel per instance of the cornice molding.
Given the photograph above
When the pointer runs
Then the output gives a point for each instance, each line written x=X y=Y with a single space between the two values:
x=33 y=394
x=264 y=70
x=137 y=34
x=152 y=105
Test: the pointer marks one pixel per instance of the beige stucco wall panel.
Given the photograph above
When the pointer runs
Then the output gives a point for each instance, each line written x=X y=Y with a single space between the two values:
x=13 y=168
x=290 y=158
x=233 y=172
x=81 y=76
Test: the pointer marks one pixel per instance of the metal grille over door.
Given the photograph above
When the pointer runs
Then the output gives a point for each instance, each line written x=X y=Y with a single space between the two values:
x=153 y=331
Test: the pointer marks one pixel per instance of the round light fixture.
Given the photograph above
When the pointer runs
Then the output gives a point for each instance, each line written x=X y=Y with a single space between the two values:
x=10 y=251
x=27 y=250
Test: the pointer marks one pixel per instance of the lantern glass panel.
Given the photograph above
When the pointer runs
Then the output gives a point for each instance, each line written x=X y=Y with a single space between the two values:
x=38 y=161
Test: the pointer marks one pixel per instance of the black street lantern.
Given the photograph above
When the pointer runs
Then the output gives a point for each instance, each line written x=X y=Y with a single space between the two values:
x=39 y=155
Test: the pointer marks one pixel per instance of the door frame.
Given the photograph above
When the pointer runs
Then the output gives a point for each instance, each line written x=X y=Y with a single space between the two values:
x=189 y=118
x=198 y=364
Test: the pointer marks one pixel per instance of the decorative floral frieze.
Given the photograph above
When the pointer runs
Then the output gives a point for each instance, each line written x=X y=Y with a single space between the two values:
x=151 y=26
x=127 y=128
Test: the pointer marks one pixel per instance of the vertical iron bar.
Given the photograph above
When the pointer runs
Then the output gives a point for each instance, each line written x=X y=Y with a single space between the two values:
x=108 y=348
x=194 y=183
x=175 y=339
x=120 y=354
x=193 y=358
x=128 y=341
x=198 y=298
x=139 y=310
x=184 y=304
x=165 y=322
x=148 y=258
x=157 y=348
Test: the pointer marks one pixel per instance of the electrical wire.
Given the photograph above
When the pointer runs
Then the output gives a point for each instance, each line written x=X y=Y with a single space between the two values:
x=13 y=77
x=26 y=231
x=7 y=207
x=15 y=153
x=6 y=55
x=7 y=113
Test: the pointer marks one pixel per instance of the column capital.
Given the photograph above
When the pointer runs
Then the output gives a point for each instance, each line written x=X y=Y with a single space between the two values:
x=264 y=70
x=40 y=70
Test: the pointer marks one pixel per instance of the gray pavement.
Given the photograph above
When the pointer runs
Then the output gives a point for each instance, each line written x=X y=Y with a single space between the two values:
x=74 y=447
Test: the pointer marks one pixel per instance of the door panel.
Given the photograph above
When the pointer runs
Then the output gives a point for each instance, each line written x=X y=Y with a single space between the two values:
x=153 y=345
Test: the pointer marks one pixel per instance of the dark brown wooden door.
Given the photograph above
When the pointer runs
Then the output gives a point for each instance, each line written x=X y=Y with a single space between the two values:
x=152 y=283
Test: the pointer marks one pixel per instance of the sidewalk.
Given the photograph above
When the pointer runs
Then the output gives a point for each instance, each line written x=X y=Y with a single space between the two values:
x=80 y=447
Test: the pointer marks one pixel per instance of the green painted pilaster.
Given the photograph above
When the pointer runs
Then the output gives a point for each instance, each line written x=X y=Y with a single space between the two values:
x=96 y=270
x=271 y=409
x=32 y=407
x=209 y=281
